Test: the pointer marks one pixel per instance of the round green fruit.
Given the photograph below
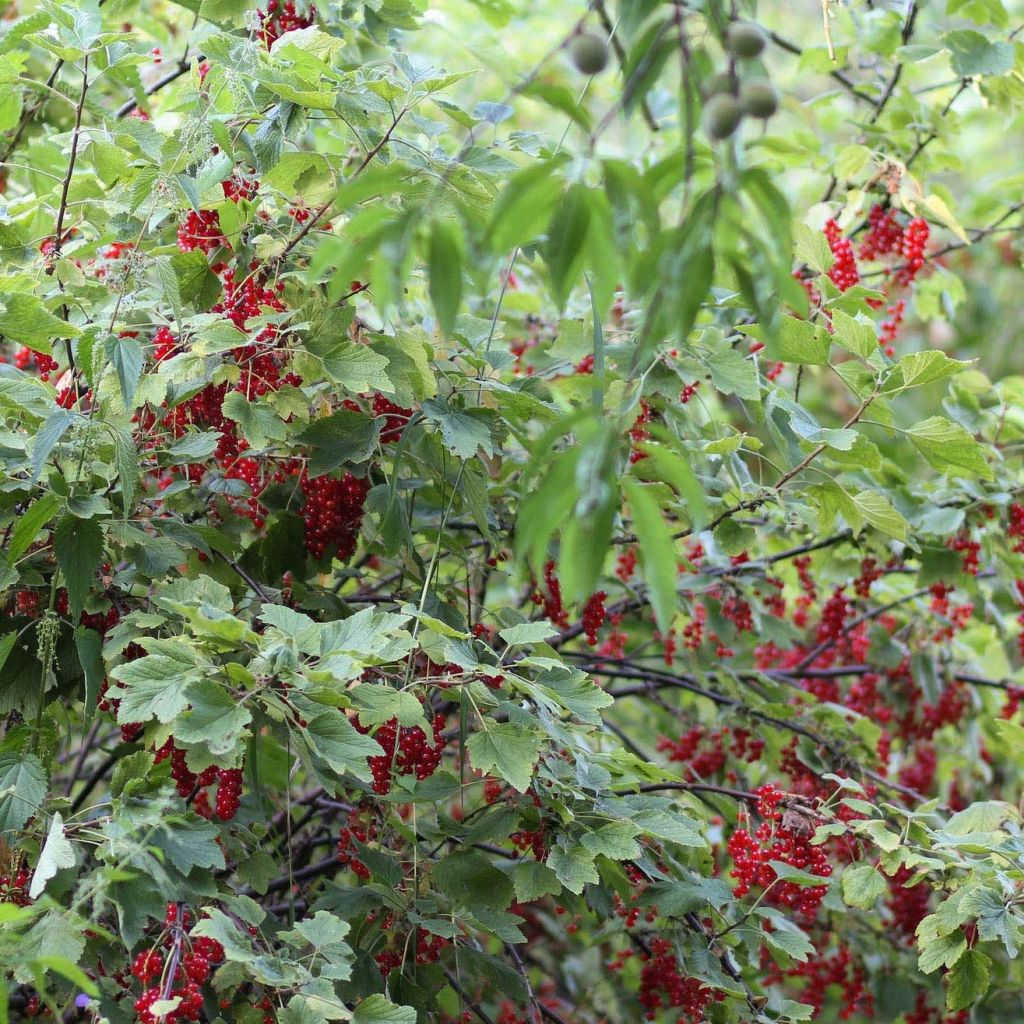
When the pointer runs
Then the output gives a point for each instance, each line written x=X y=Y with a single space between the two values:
x=745 y=39
x=722 y=115
x=589 y=52
x=758 y=98
x=722 y=82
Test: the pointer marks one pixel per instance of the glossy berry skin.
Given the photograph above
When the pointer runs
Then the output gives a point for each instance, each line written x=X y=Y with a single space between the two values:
x=333 y=514
x=843 y=272
x=407 y=751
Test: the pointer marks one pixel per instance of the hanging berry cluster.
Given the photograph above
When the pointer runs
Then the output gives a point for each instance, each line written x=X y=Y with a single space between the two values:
x=407 y=751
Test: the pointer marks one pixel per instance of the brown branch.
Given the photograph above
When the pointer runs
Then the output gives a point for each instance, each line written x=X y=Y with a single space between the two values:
x=839 y=76
x=184 y=66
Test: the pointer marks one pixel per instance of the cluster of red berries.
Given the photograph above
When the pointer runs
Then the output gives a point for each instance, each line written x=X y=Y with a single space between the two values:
x=1015 y=527
x=843 y=272
x=239 y=186
x=775 y=840
x=333 y=513
x=201 y=230
x=594 y=615
x=407 y=751
x=662 y=986
x=924 y=1014
x=280 y=17
x=551 y=598
x=689 y=390
x=704 y=751
x=358 y=829
x=884 y=234
x=822 y=973
x=15 y=890
x=639 y=433
x=180 y=977
x=915 y=238
x=44 y=363
x=970 y=549
x=187 y=782
x=395 y=417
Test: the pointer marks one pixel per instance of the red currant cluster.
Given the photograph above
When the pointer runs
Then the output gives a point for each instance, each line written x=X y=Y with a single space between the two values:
x=187 y=967
x=187 y=782
x=1015 y=527
x=407 y=751
x=704 y=751
x=45 y=364
x=970 y=549
x=280 y=17
x=639 y=432
x=333 y=513
x=554 y=610
x=584 y=366
x=843 y=272
x=924 y=1014
x=662 y=986
x=201 y=231
x=239 y=186
x=361 y=828
x=395 y=417
x=884 y=234
x=164 y=344
x=689 y=390
x=775 y=840
x=822 y=973
x=915 y=238
x=908 y=906
x=14 y=889
x=594 y=615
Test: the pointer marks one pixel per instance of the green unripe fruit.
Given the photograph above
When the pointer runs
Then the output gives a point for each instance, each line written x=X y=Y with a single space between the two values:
x=722 y=115
x=758 y=98
x=589 y=53
x=744 y=39
x=722 y=82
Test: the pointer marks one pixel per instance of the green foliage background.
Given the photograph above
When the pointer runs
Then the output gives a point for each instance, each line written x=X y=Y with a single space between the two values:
x=558 y=343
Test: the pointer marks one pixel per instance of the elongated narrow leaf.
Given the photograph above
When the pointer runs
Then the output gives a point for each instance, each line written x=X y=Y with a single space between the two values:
x=657 y=549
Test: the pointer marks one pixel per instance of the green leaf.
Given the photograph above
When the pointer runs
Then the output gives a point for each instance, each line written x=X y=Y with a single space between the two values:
x=151 y=687
x=812 y=246
x=378 y=1009
x=877 y=511
x=127 y=358
x=573 y=864
x=566 y=245
x=22 y=791
x=856 y=336
x=733 y=375
x=862 y=885
x=27 y=526
x=334 y=738
x=378 y=704
x=78 y=545
x=343 y=438
x=56 y=853
x=532 y=880
x=941 y=951
x=525 y=205
x=445 y=272
x=470 y=878
x=216 y=718
x=657 y=549
x=505 y=750
x=89 y=645
x=24 y=320
x=797 y=341
x=972 y=53
x=528 y=633
x=947 y=446
x=918 y=368
x=968 y=980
